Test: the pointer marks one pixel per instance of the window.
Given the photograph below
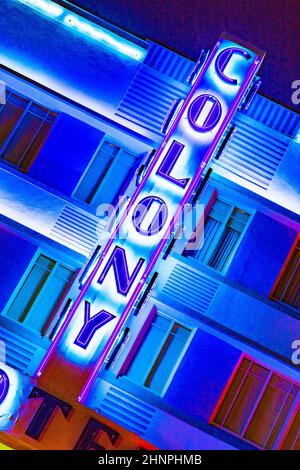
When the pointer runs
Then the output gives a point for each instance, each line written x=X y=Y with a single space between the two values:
x=256 y=404
x=223 y=228
x=292 y=438
x=40 y=293
x=159 y=354
x=104 y=164
x=24 y=126
x=288 y=287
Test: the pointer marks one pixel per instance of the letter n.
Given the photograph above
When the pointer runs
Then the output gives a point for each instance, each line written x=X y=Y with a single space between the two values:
x=119 y=263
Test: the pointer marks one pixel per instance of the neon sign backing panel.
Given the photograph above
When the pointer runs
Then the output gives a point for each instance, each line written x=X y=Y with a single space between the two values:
x=110 y=291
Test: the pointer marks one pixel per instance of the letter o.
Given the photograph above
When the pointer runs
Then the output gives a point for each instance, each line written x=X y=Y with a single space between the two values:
x=211 y=119
x=140 y=213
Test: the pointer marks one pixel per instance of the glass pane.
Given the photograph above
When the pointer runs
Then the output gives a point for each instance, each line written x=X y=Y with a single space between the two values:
x=288 y=288
x=167 y=359
x=30 y=290
x=238 y=220
x=220 y=211
x=291 y=295
x=245 y=363
x=38 y=110
x=64 y=273
x=48 y=299
x=112 y=187
x=22 y=138
x=35 y=147
x=244 y=404
x=279 y=423
x=281 y=383
x=224 y=251
x=110 y=149
x=181 y=332
x=96 y=172
x=10 y=115
x=229 y=397
x=17 y=101
x=292 y=440
x=260 y=371
x=45 y=262
x=211 y=229
x=149 y=349
x=51 y=117
x=269 y=408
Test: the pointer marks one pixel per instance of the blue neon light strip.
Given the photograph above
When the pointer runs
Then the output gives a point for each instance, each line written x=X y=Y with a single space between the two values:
x=86 y=28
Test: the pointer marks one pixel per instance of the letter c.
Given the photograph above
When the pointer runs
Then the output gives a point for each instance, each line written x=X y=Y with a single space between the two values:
x=224 y=58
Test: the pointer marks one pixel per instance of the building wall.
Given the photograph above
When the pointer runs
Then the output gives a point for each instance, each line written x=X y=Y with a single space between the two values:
x=13 y=266
x=194 y=389
x=63 y=159
x=73 y=65
x=266 y=243
x=100 y=93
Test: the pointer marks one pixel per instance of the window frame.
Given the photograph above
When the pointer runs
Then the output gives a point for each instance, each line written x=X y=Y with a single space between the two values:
x=48 y=322
x=281 y=274
x=17 y=126
x=216 y=195
x=287 y=421
x=173 y=321
x=105 y=139
x=290 y=421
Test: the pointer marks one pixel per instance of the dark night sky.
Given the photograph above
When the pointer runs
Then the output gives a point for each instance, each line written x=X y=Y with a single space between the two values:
x=186 y=26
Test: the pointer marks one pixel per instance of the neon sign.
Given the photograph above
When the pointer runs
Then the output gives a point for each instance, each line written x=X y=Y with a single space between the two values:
x=111 y=289
x=94 y=433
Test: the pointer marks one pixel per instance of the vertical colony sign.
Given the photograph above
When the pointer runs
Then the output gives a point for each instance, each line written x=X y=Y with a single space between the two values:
x=111 y=289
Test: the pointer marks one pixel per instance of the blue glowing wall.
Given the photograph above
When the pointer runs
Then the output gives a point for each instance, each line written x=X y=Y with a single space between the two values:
x=63 y=159
x=266 y=244
x=12 y=266
x=63 y=59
